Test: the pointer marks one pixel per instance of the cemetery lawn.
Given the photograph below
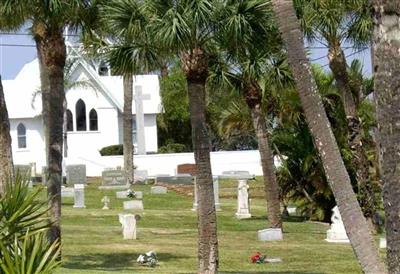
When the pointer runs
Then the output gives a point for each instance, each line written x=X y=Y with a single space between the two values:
x=92 y=238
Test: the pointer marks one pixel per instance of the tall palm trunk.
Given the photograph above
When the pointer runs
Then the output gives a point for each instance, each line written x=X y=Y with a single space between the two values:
x=387 y=98
x=253 y=98
x=337 y=176
x=52 y=54
x=128 y=120
x=338 y=66
x=6 y=160
x=195 y=67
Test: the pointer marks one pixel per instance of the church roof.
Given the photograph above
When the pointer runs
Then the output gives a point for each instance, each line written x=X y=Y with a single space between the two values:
x=19 y=92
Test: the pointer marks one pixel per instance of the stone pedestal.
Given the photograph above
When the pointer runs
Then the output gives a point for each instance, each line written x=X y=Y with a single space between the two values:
x=337 y=232
x=79 y=196
x=243 y=209
x=128 y=222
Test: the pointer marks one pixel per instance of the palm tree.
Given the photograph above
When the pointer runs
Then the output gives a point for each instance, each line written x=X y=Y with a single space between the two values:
x=187 y=28
x=47 y=20
x=387 y=91
x=131 y=51
x=6 y=161
x=332 y=23
x=354 y=221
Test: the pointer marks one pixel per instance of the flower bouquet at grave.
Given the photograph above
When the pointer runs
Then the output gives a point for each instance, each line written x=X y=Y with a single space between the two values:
x=258 y=258
x=130 y=194
x=149 y=259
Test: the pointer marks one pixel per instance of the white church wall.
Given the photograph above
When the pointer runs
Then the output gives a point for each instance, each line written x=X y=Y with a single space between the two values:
x=34 y=151
x=150 y=131
x=166 y=163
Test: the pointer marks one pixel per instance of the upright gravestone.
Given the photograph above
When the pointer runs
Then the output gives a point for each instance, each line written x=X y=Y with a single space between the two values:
x=128 y=222
x=76 y=174
x=114 y=179
x=216 y=195
x=337 y=232
x=187 y=169
x=140 y=176
x=243 y=209
x=79 y=196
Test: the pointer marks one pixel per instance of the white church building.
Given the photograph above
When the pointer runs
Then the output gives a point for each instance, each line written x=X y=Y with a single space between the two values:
x=94 y=113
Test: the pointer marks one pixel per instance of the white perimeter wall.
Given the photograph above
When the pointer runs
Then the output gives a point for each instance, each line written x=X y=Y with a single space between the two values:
x=166 y=163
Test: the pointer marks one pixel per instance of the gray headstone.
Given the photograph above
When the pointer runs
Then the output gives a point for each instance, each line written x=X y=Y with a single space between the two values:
x=79 y=196
x=158 y=190
x=180 y=179
x=236 y=174
x=270 y=234
x=141 y=176
x=113 y=179
x=76 y=174
x=133 y=205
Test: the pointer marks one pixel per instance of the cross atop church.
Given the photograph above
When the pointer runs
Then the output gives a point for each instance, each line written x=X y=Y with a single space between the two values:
x=139 y=98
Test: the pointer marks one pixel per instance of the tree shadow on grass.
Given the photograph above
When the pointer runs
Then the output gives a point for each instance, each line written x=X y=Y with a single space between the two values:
x=111 y=261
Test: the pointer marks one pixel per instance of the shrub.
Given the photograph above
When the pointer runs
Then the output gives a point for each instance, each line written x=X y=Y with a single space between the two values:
x=112 y=150
x=173 y=148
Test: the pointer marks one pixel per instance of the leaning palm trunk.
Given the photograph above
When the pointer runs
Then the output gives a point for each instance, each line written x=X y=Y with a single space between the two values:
x=6 y=161
x=128 y=120
x=387 y=97
x=271 y=187
x=337 y=176
x=195 y=67
x=338 y=66
x=52 y=54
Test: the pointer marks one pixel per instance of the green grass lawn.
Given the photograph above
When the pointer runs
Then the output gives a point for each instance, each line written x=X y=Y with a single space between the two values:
x=92 y=238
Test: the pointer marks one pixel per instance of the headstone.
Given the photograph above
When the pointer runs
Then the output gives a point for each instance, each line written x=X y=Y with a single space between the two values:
x=133 y=205
x=44 y=175
x=382 y=243
x=140 y=176
x=158 y=190
x=76 y=174
x=179 y=179
x=79 y=196
x=139 y=97
x=291 y=210
x=270 y=234
x=187 y=169
x=106 y=203
x=67 y=192
x=337 y=232
x=139 y=195
x=236 y=174
x=128 y=222
x=114 y=179
x=243 y=209
x=216 y=195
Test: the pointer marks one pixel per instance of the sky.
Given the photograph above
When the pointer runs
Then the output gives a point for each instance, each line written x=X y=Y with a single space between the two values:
x=17 y=50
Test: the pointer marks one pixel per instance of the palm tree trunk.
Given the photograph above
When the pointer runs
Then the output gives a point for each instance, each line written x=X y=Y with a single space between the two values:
x=195 y=67
x=6 y=160
x=128 y=120
x=353 y=219
x=271 y=187
x=53 y=54
x=387 y=98
x=338 y=66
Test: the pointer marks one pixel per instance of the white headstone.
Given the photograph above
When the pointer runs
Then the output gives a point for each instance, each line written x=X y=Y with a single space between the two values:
x=67 y=192
x=337 y=232
x=121 y=194
x=128 y=222
x=382 y=243
x=292 y=209
x=270 y=234
x=158 y=190
x=106 y=202
x=79 y=196
x=243 y=208
x=133 y=205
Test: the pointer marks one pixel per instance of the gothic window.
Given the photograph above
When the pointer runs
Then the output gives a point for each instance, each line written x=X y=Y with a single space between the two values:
x=21 y=132
x=80 y=112
x=70 y=121
x=93 y=125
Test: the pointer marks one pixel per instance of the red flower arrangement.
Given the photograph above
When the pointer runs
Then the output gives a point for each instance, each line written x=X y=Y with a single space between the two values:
x=258 y=258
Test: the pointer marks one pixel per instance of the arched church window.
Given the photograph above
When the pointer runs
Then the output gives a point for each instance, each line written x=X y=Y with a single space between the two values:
x=93 y=125
x=70 y=121
x=21 y=133
x=80 y=112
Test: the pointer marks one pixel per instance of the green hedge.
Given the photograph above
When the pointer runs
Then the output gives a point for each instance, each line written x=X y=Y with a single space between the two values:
x=173 y=148
x=112 y=150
